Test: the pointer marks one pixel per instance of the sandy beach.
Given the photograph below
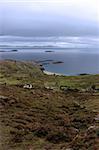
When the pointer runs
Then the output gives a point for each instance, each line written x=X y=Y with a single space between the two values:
x=51 y=73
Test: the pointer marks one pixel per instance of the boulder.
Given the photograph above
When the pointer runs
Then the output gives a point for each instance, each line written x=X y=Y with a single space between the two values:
x=28 y=86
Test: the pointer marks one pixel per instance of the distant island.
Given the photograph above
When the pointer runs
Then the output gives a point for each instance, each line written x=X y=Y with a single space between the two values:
x=47 y=62
x=13 y=50
x=57 y=62
x=49 y=51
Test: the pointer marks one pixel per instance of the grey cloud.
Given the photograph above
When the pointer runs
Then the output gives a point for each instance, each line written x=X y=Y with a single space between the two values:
x=31 y=21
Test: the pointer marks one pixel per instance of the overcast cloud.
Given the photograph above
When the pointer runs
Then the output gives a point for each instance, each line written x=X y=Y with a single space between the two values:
x=49 y=17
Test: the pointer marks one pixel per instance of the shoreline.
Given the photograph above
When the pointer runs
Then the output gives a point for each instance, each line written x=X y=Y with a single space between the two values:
x=42 y=68
x=58 y=74
x=52 y=73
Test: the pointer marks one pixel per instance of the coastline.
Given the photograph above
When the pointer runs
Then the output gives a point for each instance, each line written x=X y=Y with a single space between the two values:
x=42 y=68
x=55 y=64
x=52 y=73
x=58 y=74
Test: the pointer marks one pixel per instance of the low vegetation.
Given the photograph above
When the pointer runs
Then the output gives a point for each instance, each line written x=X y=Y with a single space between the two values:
x=47 y=112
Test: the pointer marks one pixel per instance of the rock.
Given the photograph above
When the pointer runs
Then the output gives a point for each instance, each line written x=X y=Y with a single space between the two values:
x=64 y=88
x=93 y=87
x=68 y=89
x=3 y=97
x=97 y=118
x=28 y=86
x=83 y=90
x=42 y=68
x=57 y=62
x=49 y=88
x=92 y=127
x=93 y=131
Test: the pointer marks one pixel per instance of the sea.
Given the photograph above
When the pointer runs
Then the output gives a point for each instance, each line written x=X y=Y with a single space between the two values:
x=77 y=54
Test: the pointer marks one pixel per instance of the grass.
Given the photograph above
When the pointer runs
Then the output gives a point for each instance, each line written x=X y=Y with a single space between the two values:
x=42 y=118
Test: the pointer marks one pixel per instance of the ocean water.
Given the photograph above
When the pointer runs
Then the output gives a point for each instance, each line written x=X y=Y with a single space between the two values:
x=78 y=54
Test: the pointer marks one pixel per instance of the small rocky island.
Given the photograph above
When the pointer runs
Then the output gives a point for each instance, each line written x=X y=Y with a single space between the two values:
x=14 y=50
x=57 y=62
x=49 y=51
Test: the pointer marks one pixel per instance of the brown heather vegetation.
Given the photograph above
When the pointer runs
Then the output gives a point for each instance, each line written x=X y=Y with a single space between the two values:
x=46 y=117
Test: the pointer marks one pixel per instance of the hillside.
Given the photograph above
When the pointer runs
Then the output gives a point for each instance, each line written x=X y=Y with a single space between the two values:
x=47 y=112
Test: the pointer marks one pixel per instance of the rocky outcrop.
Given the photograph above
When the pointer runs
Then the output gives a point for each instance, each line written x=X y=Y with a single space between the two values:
x=28 y=86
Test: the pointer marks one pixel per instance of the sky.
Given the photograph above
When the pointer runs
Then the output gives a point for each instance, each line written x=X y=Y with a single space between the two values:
x=49 y=17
